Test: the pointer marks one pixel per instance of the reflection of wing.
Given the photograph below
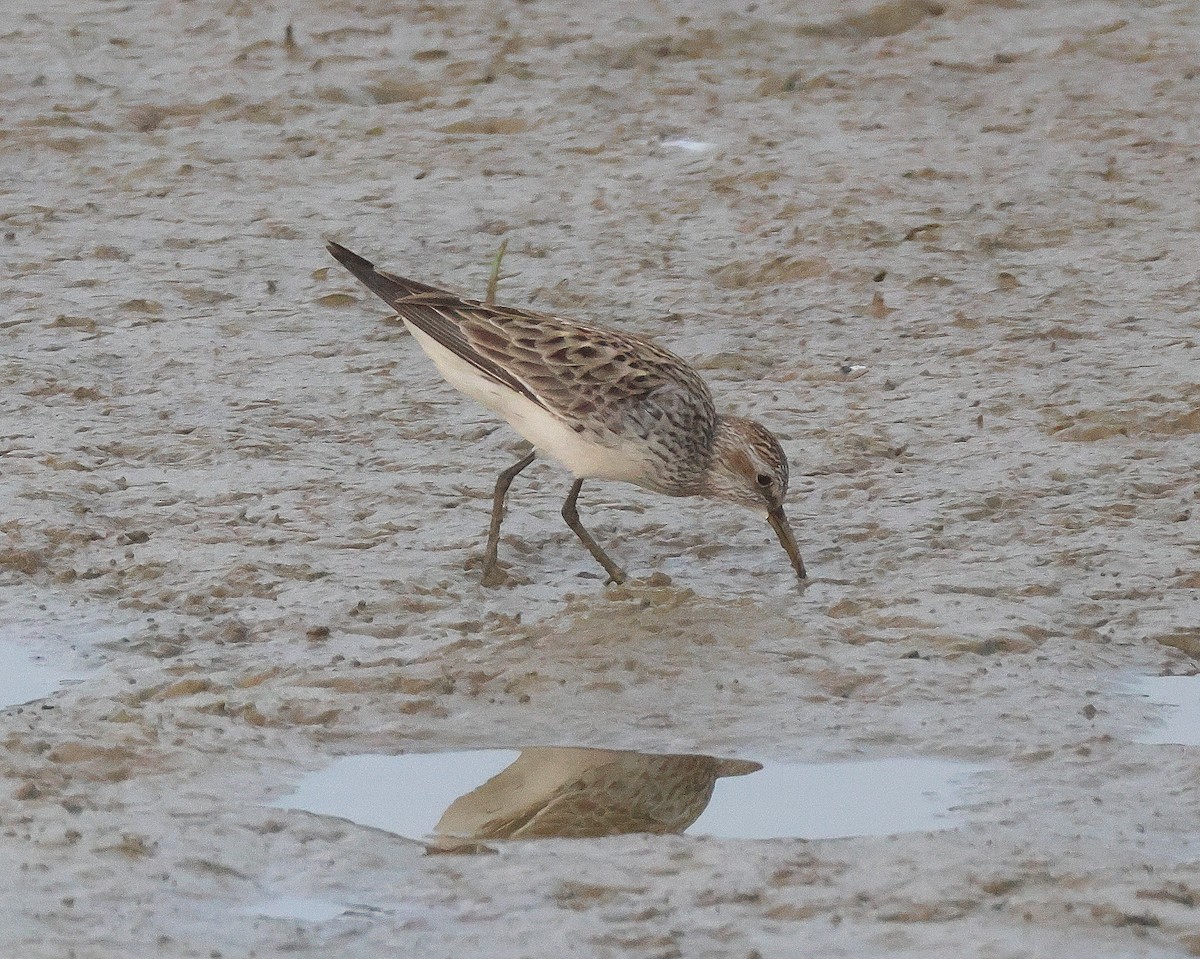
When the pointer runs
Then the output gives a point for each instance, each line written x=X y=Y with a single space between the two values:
x=534 y=776
x=589 y=792
x=654 y=794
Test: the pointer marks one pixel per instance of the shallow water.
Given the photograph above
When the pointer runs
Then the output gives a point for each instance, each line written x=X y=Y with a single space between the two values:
x=48 y=641
x=26 y=676
x=496 y=794
x=209 y=431
x=877 y=797
x=313 y=909
x=1181 y=722
x=304 y=908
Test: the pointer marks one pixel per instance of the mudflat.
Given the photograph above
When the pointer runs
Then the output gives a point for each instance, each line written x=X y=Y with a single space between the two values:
x=946 y=251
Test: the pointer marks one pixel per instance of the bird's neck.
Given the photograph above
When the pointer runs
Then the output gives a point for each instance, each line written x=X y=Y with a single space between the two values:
x=728 y=447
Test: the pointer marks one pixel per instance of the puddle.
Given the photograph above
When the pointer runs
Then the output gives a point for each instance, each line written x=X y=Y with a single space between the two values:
x=296 y=907
x=879 y=797
x=538 y=792
x=26 y=675
x=313 y=909
x=691 y=146
x=1181 y=724
x=47 y=642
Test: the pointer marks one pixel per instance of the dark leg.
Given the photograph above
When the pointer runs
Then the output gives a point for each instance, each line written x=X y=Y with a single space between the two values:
x=492 y=576
x=571 y=515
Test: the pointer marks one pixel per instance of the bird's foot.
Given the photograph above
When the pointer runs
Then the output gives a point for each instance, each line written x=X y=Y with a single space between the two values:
x=657 y=589
x=616 y=577
x=494 y=572
x=495 y=576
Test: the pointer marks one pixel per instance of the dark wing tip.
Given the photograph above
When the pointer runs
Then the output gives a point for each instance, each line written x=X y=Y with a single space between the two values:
x=387 y=286
x=349 y=259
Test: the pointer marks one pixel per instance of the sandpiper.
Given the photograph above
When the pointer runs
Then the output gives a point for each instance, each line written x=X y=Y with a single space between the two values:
x=604 y=403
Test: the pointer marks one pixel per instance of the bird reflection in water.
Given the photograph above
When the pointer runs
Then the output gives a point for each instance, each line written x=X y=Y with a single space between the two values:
x=584 y=793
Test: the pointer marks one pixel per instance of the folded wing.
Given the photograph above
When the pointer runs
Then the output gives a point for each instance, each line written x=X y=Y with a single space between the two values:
x=597 y=380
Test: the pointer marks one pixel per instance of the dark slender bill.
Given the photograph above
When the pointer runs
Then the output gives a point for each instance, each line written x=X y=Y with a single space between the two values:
x=783 y=530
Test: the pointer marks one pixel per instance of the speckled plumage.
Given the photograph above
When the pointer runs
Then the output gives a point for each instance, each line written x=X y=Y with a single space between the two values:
x=605 y=403
x=571 y=792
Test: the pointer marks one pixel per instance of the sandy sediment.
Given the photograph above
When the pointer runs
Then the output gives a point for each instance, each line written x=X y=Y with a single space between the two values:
x=946 y=251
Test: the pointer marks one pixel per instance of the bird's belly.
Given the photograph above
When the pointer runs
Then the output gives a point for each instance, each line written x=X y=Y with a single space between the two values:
x=584 y=458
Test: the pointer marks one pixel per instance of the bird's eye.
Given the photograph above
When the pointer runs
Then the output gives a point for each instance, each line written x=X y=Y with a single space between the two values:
x=763 y=479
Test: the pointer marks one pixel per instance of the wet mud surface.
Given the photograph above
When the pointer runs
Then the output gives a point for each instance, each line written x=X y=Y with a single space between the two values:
x=946 y=251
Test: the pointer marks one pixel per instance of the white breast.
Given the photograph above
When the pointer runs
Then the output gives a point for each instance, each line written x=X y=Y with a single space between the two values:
x=545 y=431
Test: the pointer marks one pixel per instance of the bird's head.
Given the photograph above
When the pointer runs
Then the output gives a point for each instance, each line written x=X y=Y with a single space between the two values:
x=750 y=468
